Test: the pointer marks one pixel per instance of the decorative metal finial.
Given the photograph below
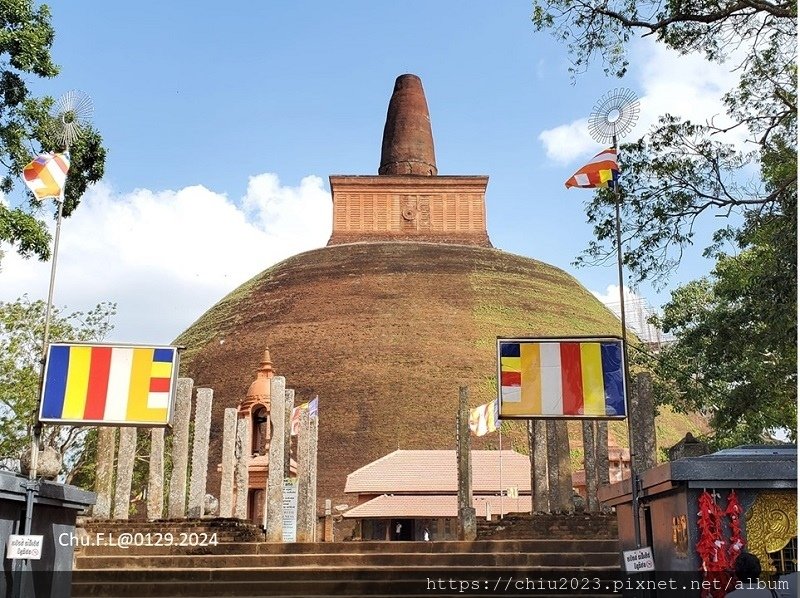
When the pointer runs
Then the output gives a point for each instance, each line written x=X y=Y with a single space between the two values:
x=72 y=115
x=614 y=115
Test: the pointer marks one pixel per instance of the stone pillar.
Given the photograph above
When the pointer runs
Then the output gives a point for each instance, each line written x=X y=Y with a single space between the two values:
x=564 y=466
x=601 y=438
x=305 y=510
x=127 y=456
x=467 y=523
x=554 y=490
x=642 y=420
x=273 y=511
x=155 y=479
x=176 y=508
x=242 y=477
x=226 y=487
x=590 y=465
x=537 y=430
x=327 y=535
x=312 y=483
x=104 y=473
x=202 y=428
x=287 y=433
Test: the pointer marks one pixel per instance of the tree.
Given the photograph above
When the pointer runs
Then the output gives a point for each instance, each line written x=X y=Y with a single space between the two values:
x=736 y=350
x=681 y=169
x=736 y=354
x=21 y=334
x=26 y=127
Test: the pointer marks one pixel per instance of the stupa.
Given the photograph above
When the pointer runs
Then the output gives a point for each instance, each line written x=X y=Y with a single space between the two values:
x=400 y=309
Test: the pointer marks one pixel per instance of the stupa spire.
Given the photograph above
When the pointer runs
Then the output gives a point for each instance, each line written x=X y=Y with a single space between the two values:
x=407 y=139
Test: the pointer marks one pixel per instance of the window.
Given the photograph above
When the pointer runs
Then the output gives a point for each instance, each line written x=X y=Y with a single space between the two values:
x=785 y=560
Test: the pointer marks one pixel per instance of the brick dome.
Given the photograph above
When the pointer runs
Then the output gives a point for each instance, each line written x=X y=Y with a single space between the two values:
x=384 y=333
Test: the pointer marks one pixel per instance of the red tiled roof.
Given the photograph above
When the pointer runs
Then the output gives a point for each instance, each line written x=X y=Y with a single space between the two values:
x=437 y=505
x=409 y=471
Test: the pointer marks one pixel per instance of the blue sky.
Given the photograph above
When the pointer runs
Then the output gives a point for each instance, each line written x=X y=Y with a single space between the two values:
x=223 y=125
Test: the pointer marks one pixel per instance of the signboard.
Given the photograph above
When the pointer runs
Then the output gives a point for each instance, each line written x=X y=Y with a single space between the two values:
x=99 y=384
x=573 y=378
x=24 y=547
x=289 y=509
x=512 y=492
x=639 y=560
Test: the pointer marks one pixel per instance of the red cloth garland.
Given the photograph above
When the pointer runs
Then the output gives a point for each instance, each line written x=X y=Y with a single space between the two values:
x=734 y=513
x=711 y=547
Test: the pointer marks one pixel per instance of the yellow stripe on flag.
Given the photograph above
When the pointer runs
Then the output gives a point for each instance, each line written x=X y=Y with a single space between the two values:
x=140 y=385
x=141 y=373
x=510 y=364
x=80 y=359
x=594 y=400
x=531 y=378
x=161 y=369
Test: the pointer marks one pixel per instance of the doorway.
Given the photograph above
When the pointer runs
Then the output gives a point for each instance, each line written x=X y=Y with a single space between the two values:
x=402 y=529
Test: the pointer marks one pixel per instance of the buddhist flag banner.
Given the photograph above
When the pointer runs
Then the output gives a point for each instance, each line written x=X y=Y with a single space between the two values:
x=109 y=385
x=313 y=407
x=561 y=378
x=484 y=419
x=297 y=413
x=46 y=176
x=601 y=171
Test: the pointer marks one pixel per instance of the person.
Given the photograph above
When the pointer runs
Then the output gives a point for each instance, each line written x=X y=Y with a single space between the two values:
x=426 y=535
x=747 y=569
x=398 y=529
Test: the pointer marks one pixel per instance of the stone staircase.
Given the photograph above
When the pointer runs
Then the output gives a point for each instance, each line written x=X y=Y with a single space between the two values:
x=240 y=564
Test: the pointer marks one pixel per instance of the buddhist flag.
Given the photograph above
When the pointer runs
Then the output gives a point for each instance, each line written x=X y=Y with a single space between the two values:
x=297 y=413
x=484 y=419
x=313 y=407
x=109 y=384
x=601 y=171
x=561 y=378
x=46 y=176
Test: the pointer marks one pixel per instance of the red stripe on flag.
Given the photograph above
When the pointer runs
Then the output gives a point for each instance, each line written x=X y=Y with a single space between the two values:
x=159 y=384
x=510 y=379
x=59 y=159
x=571 y=378
x=96 y=393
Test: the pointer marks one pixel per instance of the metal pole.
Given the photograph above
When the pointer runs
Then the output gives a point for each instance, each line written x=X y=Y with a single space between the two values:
x=634 y=475
x=32 y=485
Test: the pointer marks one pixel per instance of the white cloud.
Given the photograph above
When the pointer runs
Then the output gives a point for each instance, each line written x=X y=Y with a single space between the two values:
x=682 y=85
x=166 y=256
x=566 y=142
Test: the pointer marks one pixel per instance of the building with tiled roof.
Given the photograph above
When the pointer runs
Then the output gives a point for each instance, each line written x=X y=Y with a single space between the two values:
x=417 y=489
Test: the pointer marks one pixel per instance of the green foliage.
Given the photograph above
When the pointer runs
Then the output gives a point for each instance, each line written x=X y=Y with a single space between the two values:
x=21 y=334
x=26 y=127
x=736 y=351
x=736 y=355
x=681 y=170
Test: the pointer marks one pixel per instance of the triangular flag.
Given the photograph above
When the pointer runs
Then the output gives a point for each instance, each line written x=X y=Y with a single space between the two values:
x=46 y=175
x=601 y=171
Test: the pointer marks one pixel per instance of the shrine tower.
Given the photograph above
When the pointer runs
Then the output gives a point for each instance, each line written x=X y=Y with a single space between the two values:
x=408 y=200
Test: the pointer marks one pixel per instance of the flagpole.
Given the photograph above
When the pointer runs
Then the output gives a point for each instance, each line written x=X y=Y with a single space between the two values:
x=37 y=428
x=31 y=486
x=637 y=534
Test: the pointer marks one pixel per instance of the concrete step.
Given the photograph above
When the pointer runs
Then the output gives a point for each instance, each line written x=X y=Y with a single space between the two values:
x=344 y=581
x=379 y=559
x=252 y=548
